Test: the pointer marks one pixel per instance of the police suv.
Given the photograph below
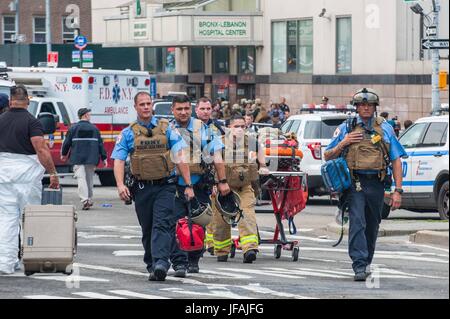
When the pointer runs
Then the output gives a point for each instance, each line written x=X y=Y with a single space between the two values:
x=425 y=168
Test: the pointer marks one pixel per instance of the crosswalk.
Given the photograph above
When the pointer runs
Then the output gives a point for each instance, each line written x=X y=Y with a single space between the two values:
x=319 y=263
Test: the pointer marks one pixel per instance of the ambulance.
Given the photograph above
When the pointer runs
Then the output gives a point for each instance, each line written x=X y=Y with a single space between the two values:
x=63 y=91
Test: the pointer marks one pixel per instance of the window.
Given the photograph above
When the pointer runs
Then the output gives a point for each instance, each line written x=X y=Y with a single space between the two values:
x=68 y=34
x=246 y=60
x=196 y=60
x=39 y=30
x=65 y=115
x=292 y=46
x=279 y=47
x=9 y=29
x=48 y=107
x=160 y=60
x=321 y=130
x=221 y=58
x=413 y=136
x=435 y=134
x=305 y=46
x=344 y=45
x=295 y=127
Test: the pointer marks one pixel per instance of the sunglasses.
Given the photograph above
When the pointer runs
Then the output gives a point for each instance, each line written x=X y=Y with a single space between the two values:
x=239 y=126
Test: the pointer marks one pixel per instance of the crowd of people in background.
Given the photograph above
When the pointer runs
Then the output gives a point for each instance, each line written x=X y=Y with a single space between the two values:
x=253 y=111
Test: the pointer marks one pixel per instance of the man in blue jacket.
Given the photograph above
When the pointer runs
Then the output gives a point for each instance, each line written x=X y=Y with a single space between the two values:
x=84 y=146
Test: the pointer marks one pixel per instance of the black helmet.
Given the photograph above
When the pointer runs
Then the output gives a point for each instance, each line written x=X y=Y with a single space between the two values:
x=229 y=206
x=366 y=95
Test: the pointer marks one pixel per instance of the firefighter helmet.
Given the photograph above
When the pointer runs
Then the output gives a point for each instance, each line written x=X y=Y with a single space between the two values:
x=202 y=214
x=229 y=206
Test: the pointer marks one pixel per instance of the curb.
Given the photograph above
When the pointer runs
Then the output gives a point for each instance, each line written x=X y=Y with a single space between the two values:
x=431 y=237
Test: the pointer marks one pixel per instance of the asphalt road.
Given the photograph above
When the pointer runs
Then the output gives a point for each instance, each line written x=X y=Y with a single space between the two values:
x=109 y=264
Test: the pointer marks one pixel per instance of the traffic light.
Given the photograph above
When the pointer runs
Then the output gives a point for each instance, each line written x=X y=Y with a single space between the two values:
x=443 y=75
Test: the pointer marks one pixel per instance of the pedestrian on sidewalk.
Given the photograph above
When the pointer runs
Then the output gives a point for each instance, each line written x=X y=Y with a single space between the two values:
x=84 y=146
x=373 y=154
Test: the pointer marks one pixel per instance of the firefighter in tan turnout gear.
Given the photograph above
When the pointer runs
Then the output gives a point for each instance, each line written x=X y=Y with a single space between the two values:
x=240 y=155
x=204 y=111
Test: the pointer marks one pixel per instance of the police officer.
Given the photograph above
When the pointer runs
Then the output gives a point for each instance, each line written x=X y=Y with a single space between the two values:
x=148 y=141
x=204 y=111
x=240 y=156
x=201 y=146
x=369 y=146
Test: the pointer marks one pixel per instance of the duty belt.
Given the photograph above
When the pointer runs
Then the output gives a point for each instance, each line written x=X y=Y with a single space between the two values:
x=163 y=181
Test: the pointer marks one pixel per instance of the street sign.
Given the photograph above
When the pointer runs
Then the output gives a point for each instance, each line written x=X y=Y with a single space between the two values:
x=153 y=87
x=440 y=44
x=52 y=59
x=431 y=31
x=76 y=57
x=80 y=42
x=88 y=59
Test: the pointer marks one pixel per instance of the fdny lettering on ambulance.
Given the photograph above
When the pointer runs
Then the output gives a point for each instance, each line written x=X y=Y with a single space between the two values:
x=125 y=93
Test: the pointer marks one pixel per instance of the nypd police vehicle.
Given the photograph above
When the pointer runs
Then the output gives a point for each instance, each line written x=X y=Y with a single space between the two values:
x=426 y=166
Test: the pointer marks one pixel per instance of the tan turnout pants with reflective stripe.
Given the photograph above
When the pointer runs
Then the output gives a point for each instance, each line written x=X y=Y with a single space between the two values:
x=209 y=238
x=248 y=232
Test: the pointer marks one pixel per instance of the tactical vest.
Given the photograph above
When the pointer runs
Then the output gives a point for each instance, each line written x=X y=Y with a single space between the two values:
x=367 y=155
x=151 y=159
x=195 y=153
x=240 y=170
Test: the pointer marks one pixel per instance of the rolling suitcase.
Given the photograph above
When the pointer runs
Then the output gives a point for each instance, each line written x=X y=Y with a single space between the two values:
x=51 y=196
x=49 y=239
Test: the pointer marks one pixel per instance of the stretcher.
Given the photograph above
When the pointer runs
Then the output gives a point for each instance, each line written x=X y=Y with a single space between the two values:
x=288 y=191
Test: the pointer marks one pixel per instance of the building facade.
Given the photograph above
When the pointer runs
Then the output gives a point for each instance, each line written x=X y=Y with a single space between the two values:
x=298 y=49
x=31 y=28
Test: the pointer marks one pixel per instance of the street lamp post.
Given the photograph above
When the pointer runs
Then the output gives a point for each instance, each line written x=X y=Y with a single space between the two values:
x=435 y=96
x=48 y=26
x=434 y=23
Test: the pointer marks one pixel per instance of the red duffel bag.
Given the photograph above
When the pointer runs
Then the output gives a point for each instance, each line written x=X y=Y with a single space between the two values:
x=190 y=237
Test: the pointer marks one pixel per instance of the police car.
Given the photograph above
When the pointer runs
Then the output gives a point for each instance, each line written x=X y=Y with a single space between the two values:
x=425 y=168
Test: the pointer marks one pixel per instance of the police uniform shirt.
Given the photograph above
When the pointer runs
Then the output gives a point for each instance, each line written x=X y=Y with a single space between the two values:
x=396 y=149
x=209 y=140
x=125 y=141
x=215 y=128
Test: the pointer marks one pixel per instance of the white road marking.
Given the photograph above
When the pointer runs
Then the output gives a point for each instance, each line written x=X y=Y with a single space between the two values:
x=427 y=246
x=266 y=291
x=71 y=278
x=120 y=229
x=295 y=237
x=397 y=272
x=108 y=269
x=305 y=273
x=414 y=258
x=213 y=293
x=48 y=297
x=132 y=294
x=95 y=295
x=262 y=273
x=188 y=281
x=210 y=274
x=128 y=253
